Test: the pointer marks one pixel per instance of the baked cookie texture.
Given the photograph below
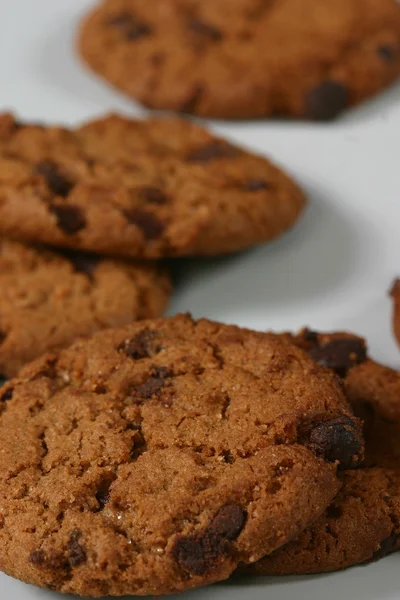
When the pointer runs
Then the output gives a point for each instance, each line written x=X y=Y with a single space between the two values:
x=245 y=58
x=50 y=298
x=155 y=458
x=363 y=522
x=139 y=189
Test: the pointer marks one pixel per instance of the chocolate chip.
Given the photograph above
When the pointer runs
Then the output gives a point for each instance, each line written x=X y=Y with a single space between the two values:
x=192 y=101
x=70 y=218
x=207 y=30
x=76 y=552
x=387 y=546
x=212 y=151
x=338 y=440
x=309 y=336
x=150 y=225
x=190 y=555
x=82 y=262
x=326 y=101
x=340 y=354
x=228 y=522
x=37 y=558
x=3 y=380
x=197 y=554
x=255 y=185
x=153 y=195
x=141 y=346
x=161 y=372
x=387 y=53
x=130 y=26
x=152 y=387
x=56 y=181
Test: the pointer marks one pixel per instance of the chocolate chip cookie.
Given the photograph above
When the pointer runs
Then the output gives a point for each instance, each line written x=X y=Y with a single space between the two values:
x=245 y=58
x=153 y=458
x=148 y=189
x=49 y=298
x=363 y=523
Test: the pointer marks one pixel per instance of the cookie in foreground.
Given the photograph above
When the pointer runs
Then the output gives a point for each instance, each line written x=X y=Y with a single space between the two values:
x=155 y=458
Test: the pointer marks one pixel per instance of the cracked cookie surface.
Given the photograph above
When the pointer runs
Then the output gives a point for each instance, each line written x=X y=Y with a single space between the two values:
x=245 y=58
x=49 y=298
x=363 y=522
x=150 y=189
x=155 y=458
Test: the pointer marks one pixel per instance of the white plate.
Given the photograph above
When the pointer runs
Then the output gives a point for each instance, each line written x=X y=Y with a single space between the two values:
x=332 y=271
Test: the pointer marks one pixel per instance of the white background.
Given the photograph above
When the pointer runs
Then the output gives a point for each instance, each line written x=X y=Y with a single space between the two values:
x=332 y=271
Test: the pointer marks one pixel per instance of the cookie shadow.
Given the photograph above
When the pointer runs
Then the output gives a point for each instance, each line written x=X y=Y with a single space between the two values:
x=366 y=582
x=371 y=582
x=302 y=268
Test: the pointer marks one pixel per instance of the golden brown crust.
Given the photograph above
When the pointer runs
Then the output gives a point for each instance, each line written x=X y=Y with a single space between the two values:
x=363 y=523
x=154 y=458
x=149 y=189
x=48 y=298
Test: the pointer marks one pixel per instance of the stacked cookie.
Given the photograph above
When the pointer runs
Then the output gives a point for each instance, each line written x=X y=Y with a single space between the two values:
x=106 y=195
x=160 y=457
x=165 y=455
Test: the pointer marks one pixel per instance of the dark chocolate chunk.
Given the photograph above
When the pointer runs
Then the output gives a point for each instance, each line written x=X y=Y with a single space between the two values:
x=152 y=387
x=150 y=225
x=193 y=99
x=338 y=440
x=309 y=336
x=58 y=183
x=387 y=53
x=197 y=554
x=70 y=218
x=153 y=195
x=3 y=380
x=212 y=151
x=76 y=552
x=37 y=558
x=141 y=346
x=206 y=30
x=326 y=101
x=388 y=546
x=340 y=354
x=228 y=522
x=255 y=185
x=130 y=26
